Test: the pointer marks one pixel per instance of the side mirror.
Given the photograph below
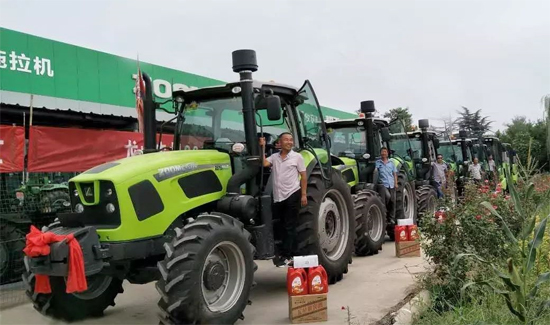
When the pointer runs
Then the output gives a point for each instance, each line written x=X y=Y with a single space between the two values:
x=273 y=104
x=385 y=134
x=436 y=143
x=366 y=156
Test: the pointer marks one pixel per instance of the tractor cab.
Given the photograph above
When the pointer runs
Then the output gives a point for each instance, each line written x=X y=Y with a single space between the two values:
x=420 y=148
x=357 y=143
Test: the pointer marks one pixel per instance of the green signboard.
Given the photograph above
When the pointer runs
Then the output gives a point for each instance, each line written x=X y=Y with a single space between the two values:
x=64 y=76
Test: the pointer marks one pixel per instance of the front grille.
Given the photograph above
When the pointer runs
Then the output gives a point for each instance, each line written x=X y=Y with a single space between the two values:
x=88 y=192
x=96 y=214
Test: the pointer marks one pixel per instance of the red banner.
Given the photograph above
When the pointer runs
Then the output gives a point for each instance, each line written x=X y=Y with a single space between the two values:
x=12 y=148
x=75 y=150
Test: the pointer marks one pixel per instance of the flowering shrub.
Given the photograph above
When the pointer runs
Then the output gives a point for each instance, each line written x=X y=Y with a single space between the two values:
x=471 y=228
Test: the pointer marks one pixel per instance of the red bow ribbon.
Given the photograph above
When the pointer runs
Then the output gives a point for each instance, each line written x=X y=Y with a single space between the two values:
x=38 y=244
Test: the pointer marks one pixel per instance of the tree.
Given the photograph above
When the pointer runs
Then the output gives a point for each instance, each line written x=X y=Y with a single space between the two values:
x=474 y=122
x=400 y=113
x=520 y=132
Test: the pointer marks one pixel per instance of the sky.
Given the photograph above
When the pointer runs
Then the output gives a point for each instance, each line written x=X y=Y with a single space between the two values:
x=431 y=56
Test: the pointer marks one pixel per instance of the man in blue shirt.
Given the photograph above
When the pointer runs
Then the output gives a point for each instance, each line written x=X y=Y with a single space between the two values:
x=387 y=176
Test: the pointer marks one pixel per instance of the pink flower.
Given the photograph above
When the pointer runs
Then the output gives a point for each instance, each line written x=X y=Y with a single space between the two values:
x=495 y=207
x=478 y=217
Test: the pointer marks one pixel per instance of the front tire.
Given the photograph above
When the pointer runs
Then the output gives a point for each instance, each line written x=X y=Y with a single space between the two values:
x=101 y=293
x=404 y=198
x=326 y=225
x=370 y=217
x=427 y=201
x=207 y=273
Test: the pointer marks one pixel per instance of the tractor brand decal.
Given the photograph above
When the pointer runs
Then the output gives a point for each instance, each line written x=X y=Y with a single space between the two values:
x=172 y=171
x=169 y=172
x=22 y=63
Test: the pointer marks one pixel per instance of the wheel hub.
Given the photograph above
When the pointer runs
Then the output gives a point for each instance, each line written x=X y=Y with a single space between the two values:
x=223 y=276
x=407 y=206
x=330 y=223
x=214 y=276
x=374 y=223
x=333 y=225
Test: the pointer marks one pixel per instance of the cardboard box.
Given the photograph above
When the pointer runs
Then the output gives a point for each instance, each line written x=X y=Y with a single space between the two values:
x=308 y=308
x=304 y=262
x=407 y=248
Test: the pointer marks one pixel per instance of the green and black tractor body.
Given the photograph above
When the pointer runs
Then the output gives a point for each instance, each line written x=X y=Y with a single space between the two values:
x=502 y=155
x=419 y=150
x=356 y=145
x=195 y=220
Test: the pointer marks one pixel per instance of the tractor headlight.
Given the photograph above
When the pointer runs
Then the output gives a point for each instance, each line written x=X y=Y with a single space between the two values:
x=110 y=208
x=109 y=192
x=79 y=208
x=424 y=160
x=75 y=193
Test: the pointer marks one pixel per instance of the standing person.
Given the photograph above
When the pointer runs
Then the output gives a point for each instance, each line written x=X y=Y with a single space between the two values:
x=475 y=171
x=289 y=191
x=440 y=175
x=387 y=173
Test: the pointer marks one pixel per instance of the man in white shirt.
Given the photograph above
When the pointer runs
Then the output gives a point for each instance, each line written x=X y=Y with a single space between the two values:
x=440 y=175
x=289 y=190
x=475 y=170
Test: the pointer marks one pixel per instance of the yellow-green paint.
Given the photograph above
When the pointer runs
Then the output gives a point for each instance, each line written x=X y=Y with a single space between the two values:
x=138 y=168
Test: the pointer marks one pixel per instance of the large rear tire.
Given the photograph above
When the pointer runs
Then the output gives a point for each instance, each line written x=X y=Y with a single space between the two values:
x=12 y=243
x=405 y=203
x=207 y=273
x=101 y=293
x=427 y=201
x=326 y=226
x=370 y=217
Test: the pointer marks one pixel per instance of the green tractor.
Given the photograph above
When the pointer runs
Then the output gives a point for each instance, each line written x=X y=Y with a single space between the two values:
x=502 y=153
x=512 y=161
x=195 y=220
x=419 y=150
x=458 y=154
x=34 y=203
x=355 y=145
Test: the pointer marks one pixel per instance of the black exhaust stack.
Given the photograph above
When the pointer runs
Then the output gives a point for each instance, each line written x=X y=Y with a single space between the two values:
x=244 y=63
x=367 y=108
x=149 y=117
x=246 y=207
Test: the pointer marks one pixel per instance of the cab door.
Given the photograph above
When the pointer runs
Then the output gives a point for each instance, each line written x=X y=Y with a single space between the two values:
x=312 y=132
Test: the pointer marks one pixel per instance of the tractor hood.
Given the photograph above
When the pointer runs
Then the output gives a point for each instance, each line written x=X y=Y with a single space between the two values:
x=161 y=166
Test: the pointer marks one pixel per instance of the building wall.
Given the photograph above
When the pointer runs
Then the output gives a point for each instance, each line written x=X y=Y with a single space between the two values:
x=64 y=76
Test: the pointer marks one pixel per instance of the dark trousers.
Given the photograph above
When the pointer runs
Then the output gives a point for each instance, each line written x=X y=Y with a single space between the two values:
x=388 y=197
x=287 y=211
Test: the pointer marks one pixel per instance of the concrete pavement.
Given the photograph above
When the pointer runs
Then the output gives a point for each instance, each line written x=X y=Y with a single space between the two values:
x=372 y=287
